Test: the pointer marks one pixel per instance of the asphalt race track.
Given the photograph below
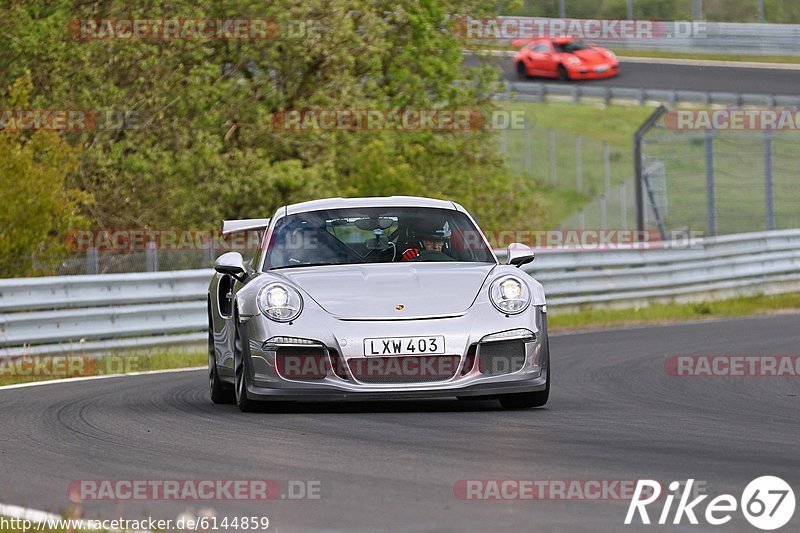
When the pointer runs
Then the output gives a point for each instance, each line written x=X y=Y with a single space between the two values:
x=614 y=414
x=683 y=77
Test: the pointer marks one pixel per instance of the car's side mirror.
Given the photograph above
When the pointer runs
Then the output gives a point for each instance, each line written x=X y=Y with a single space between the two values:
x=519 y=254
x=232 y=264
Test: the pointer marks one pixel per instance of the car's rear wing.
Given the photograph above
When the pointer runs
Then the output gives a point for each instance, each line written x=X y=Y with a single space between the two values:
x=246 y=224
x=519 y=43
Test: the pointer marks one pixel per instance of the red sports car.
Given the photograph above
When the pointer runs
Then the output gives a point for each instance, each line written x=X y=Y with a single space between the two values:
x=565 y=58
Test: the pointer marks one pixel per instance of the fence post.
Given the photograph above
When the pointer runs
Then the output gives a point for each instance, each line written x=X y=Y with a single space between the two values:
x=208 y=251
x=603 y=212
x=578 y=163
x=623 y=209
x=711 y=201
x=581 y=220
x=92 y=261
x=638 y=171
x=769 y=198
x=151 y=256
x=553 y=161
x=528 y=150
x=606 y=168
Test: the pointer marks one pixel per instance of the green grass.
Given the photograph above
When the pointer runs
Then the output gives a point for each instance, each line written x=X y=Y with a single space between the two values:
x=559 y=187
x=615 y=124
x=738 y=163
x=717 y=57
x=25 y=370
x=598 y=317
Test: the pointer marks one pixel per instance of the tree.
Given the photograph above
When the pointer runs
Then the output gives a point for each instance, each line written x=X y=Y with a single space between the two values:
x=205 y=147
x=38 y=210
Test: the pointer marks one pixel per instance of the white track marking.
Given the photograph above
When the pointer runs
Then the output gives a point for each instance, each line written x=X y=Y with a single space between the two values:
x=104 y=376
x=36 y=516
x=23 y=513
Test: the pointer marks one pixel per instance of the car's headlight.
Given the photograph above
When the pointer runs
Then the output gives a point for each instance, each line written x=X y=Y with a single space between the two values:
x=280 y=302
x=510 y=295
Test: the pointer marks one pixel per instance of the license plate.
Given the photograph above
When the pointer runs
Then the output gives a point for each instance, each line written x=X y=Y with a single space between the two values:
x=601 y=69
x=404 y=345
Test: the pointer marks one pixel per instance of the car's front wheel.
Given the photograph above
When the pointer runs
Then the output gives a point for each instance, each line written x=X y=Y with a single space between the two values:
x=563 y=73
x=525 y=400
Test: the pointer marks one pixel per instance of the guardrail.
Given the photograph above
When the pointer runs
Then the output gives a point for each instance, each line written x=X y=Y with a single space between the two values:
x=540 y=92
x=701 y=37
x=74 y=314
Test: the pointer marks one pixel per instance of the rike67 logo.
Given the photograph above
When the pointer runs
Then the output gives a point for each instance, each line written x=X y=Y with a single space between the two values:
x=767 y=503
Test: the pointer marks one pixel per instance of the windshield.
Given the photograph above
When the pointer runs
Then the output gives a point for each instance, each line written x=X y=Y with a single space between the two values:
x=572 y=46
x=375 y=235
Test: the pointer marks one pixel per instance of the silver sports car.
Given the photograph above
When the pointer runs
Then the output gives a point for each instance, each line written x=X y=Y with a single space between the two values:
x=373 y=298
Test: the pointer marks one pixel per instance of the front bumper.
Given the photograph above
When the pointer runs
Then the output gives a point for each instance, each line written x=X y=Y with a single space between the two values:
x=483 y=390
x=593 y=73
x=479 y=367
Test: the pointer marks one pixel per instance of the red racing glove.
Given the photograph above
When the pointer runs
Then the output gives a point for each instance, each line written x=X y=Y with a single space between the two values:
x=410 y=254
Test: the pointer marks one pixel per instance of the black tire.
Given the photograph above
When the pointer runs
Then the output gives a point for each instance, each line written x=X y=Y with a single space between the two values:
x=220 y=392
x=244 y=403
x=522 y=71
x=563 y=73
x=525 y=400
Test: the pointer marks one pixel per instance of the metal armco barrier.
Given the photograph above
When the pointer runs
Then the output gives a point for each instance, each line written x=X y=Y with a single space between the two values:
x=709 y=37
x=541 y=91
x=75 y=314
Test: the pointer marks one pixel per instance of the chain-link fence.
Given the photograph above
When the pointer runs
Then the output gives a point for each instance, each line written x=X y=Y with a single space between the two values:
x=721 y=182
x=775 y=11
x=595 y=173
x=94 y=261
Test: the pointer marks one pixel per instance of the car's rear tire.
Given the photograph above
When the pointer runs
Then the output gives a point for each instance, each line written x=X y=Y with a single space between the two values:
x=244 y=403
x=563 y=73
x=522 y=70
x=220 y=393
